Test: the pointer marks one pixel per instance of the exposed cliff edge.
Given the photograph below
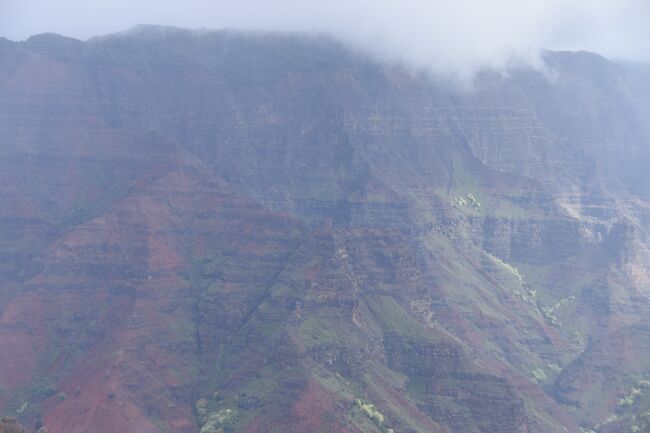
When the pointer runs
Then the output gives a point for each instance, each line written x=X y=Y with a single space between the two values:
x=232 y=232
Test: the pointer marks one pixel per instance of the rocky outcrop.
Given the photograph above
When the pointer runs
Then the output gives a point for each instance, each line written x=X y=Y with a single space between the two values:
x=10 y=425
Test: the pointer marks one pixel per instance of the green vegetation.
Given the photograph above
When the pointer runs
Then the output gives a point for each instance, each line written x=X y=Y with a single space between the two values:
x=468 y=201
x=23 y=407
x=508 y=267
x=638 y=390
x=549 y=312
x=370 y=410
x=393 y=317
x=524 y=292
x=610 y=419
x=504 y=208
x=539 y=375
x=554 y=368
x=641 y=423
x=628 y=399
x=201 y=408
x=220 y=421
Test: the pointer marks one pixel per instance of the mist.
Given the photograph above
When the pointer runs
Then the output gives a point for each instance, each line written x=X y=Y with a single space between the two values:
x=444 y=36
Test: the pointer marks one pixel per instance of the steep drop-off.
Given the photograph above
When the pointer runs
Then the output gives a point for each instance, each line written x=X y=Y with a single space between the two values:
x=230 y=232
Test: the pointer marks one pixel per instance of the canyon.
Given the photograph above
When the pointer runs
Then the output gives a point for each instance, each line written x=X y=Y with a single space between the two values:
x=227 y=231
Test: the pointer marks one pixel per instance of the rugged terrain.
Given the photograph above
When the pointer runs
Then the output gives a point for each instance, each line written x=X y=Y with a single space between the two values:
x=234 y=232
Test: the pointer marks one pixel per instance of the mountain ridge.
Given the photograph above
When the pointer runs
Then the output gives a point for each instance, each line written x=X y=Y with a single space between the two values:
x=241 y=232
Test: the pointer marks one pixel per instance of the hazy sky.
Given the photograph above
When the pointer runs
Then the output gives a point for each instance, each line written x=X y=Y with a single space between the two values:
x=444 y=35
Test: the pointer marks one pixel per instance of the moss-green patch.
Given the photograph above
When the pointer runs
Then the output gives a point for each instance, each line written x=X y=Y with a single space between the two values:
x=392 y=316
x=315 y=330
x=369 y=410
x=183 y=328
x=549 y=312
x=507 y=267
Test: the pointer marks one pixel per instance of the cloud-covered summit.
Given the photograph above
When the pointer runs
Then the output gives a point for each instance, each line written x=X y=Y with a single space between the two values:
x=447 y=36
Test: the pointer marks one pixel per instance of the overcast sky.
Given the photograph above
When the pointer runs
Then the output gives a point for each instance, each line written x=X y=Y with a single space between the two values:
x=445 y=35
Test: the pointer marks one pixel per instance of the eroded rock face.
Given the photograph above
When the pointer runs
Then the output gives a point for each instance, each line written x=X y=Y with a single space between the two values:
x=254 y=233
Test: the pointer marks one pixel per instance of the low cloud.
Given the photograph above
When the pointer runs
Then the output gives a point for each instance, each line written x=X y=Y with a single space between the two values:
x=444 y=36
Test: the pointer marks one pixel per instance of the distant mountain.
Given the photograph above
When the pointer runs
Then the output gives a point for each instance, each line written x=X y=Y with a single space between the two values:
x=249 y=232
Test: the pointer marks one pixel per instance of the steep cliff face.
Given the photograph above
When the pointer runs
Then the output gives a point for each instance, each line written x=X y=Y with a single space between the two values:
x=231 y=232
